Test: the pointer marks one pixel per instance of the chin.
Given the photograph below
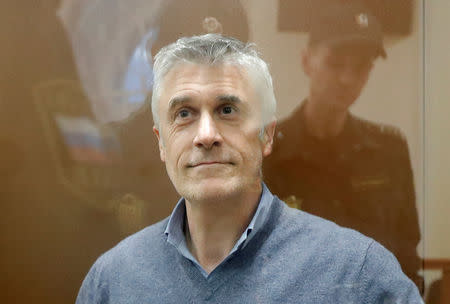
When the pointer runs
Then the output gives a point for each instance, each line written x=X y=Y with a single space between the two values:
x=211 y=190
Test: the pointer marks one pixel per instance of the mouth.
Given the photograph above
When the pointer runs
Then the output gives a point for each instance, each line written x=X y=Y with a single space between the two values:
x=344 y=93
x=209 y=163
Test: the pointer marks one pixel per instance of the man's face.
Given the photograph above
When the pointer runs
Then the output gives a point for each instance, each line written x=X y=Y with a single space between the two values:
x=337 y=74
x=210 y=120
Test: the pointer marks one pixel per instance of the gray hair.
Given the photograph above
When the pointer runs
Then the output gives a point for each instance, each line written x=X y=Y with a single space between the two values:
x=212 y=49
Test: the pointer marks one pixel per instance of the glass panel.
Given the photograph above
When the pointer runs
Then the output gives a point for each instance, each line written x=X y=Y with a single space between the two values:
x=437 y=148
x=80 y=165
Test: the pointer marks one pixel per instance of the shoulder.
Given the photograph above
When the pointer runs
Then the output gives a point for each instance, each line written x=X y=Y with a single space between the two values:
x=141 y=248
x=383 y=279
x=323 y=229
x=120 y=266
x=287 y=139
x=330 y=255
x=315 y=234
x=378 y=130
x=389 y=142
x=149 y=239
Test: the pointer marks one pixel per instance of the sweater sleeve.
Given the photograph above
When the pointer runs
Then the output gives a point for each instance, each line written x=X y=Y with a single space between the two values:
x=94 y=289
x=383 y=280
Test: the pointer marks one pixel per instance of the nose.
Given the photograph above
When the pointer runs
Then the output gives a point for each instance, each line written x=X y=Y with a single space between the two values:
x=208 y=134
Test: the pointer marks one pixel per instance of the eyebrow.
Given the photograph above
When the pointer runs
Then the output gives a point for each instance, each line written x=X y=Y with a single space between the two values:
x=178 y=100
x=174 y=102
x=228 y=98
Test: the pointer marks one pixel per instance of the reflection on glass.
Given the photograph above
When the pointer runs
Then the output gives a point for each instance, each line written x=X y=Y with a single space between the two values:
x=80 y=166
x=334 y=164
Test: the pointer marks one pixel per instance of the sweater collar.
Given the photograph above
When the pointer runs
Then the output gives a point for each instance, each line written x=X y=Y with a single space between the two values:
x=175 y=226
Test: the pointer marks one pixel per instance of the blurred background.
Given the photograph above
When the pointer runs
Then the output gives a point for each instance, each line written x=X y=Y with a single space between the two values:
x=79 y=165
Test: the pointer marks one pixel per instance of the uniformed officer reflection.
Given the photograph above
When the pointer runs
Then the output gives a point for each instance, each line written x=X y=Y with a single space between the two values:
x=333 y=164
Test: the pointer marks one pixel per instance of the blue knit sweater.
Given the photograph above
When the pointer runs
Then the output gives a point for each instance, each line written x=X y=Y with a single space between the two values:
x=294 y=258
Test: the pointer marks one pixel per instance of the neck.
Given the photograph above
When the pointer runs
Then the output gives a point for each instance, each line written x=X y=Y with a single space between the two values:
x=323 y=121
x=213 y=228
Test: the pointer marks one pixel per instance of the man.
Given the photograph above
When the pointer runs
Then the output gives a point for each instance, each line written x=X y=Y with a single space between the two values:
x=333 y=164
x=229 y=240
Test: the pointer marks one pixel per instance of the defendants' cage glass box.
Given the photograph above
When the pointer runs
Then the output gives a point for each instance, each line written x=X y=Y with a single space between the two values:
x=80 y=164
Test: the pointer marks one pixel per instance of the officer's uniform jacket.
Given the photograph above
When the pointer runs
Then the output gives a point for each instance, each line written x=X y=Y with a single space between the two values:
x=361 y=179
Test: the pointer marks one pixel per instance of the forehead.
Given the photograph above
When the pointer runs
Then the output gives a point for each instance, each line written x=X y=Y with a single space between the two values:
x=192 y=79
x=359 y=51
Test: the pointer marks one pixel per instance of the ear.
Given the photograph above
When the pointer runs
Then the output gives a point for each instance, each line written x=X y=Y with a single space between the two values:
x=306 y=61
x=162 y=153
x=269 y=131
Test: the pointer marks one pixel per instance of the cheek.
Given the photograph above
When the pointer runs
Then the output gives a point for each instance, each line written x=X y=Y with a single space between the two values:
x=252 y=149
x=178 y=146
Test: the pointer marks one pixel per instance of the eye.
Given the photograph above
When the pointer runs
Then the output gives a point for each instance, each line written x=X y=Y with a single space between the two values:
x=184 y=113
x=227 y=110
